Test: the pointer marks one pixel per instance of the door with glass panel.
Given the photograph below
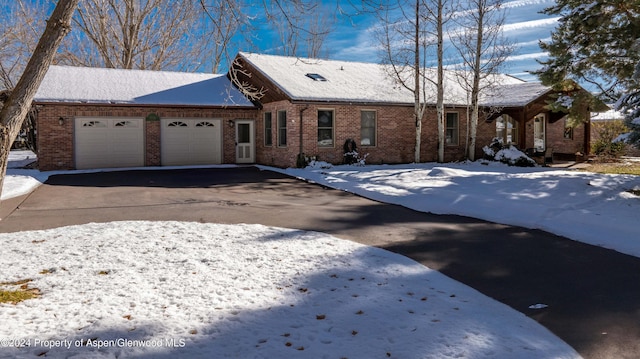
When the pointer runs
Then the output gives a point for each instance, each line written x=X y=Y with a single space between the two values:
x=245 y=142
x=539 y=141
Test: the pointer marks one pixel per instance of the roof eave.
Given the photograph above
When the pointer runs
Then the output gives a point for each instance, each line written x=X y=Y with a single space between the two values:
x=129 y=104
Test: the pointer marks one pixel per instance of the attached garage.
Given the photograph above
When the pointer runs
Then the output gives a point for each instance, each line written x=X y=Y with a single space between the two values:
x=109 y=142
x=96 y=118
x=191 y=142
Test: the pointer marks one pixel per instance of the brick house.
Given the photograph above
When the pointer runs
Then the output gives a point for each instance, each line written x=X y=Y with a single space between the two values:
x=92 y=118
x=313 y=106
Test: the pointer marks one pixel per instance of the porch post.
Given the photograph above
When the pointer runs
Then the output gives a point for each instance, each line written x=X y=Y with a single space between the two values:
x=587 y=136
x=522 y=131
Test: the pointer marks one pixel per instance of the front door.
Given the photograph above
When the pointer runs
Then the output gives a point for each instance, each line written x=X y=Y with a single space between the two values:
x=245 y=142
x=538 y=133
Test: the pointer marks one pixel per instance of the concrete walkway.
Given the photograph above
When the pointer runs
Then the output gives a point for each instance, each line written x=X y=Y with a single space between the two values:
x=593 y=294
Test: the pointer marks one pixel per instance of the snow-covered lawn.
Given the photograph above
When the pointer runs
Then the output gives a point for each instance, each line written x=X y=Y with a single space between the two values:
x=207 y=290
x=21 y=181
x=176 y=289
x=584 y=206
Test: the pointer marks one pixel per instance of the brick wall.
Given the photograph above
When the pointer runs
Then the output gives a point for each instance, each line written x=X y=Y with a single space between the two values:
x=395 y=134
x=394 y=137
x=555 y=138
x=56 y=142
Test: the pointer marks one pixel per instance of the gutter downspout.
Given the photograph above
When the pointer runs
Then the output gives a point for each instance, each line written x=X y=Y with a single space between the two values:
x=301 y=161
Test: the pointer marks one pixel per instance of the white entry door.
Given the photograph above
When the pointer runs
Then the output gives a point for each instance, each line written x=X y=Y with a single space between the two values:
x=539 y=141
x=245 y=142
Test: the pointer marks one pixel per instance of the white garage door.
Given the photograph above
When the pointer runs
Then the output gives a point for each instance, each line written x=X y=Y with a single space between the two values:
x=191 y=141
x=109 y=142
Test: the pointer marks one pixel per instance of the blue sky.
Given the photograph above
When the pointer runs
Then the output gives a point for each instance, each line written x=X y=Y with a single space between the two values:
x=352 y=39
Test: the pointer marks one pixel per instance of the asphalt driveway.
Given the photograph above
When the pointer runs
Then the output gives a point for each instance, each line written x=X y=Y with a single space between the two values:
x=593 y=294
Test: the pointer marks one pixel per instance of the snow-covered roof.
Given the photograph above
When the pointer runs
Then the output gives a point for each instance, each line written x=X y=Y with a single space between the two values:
x=117 y=86
x=514 y=94
x=607 y=115
x=346 y=81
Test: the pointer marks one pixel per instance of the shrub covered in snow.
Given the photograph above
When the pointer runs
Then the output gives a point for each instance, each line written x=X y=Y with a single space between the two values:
x=509 y=154
x=354 y=158
x=319 y=164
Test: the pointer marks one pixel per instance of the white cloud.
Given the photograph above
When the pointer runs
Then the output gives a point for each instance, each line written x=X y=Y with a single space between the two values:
x=533 y=24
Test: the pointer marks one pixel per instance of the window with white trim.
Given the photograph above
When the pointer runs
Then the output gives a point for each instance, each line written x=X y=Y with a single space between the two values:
x=507 y=129
x=325 y=128
x=368 y=128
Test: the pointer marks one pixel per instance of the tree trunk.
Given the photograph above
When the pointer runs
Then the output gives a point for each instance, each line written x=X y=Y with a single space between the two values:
x=19 y=102
x=475 y=91
x=416 y=90
x=440 y=99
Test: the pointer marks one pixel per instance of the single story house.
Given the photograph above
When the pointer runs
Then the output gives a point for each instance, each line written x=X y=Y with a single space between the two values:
x=313 y=106
x=275 y=108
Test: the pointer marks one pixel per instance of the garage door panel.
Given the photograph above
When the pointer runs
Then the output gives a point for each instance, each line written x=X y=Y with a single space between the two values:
x=191 y=141
x=109 y=142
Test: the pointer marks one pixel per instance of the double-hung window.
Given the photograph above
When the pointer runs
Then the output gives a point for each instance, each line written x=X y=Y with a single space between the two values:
x=367 y=128
x=268 y=126
x=325 y=128
x=282 y=128
x=507 y=129
x=452 y=129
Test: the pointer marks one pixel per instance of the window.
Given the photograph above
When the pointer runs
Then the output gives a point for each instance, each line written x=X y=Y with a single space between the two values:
x=568 y=130
x=507 y=129
x=125 y=124
x=268 y=141
x=452 y=129
x=94 y=124
x=325 y=128
x=367 y=128
x=177 y=124
x=204 y=124
x=316 y=77
x=282 y=128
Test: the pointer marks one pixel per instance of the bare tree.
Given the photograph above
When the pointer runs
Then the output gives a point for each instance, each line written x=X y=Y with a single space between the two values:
x=18 y=103
x=483 y=50
x=439 y=19
x=142 y=34
x=410 y=30
x=25 y=23
x=21 y=26
x=302 y=26
x=226 y=19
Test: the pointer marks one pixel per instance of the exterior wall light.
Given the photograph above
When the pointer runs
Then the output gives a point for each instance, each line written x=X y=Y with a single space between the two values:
x=61 y=121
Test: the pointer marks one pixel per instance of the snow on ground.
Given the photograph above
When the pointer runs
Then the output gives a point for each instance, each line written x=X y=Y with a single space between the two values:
x=192 y=290
x=21 y=181
x=584 y=206
x=199 y=290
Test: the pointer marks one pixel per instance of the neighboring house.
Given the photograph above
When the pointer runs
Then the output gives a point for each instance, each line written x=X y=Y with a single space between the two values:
x=92 y=117
x=600 y=120
x=313 y=106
